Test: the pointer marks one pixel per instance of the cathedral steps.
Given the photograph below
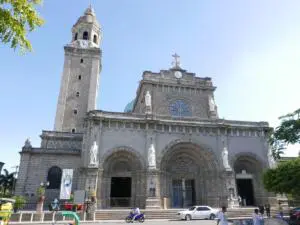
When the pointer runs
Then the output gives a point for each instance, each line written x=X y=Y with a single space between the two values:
x=121 y=214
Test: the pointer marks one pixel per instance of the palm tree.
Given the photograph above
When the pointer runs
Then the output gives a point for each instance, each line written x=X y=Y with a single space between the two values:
x=7 y=181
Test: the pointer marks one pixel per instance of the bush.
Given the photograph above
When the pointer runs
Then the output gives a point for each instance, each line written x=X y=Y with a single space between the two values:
x=20 y=202
x=40 y=191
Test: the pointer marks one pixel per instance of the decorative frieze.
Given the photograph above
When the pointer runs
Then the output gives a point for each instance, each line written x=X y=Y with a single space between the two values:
x=204 y=130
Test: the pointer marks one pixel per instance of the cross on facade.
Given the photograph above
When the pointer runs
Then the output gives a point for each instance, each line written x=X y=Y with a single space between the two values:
x=176 y=62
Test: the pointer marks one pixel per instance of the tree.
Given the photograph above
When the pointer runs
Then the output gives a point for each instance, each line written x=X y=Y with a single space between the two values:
x=7 y=181
x=288 y=132
x=285 y=178
x=17 y=18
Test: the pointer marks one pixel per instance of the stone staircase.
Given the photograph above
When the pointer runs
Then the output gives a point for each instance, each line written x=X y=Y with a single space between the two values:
x=121 y=214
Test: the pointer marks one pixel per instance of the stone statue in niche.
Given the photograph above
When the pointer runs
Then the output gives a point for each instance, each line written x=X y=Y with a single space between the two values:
x=94 y=154
x=271 y=160
x=148 y=102
x=151 y=156
x=152 y=188
x=212 y=105
x=225 y=157
x=27 y=144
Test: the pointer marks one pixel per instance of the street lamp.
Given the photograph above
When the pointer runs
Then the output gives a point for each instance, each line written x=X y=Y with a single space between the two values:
x=1 y=165
x=45 y=184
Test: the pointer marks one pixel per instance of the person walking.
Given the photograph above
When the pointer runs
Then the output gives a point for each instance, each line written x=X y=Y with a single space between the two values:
x=222 y=217
x=257 y=219
x=261 y=210
x=268 y=210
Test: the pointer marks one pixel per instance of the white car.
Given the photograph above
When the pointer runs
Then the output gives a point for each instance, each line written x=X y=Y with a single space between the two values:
x=198 y=212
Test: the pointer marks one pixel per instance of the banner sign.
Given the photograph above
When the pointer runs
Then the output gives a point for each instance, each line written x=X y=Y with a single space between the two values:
x=66 y=184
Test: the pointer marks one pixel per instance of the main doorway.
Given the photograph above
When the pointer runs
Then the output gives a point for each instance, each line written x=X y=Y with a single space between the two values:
x=120 y=192
x=245 y=190
x=183 y=193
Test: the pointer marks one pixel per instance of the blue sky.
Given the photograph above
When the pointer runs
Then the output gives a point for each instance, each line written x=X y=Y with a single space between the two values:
x=250 y=48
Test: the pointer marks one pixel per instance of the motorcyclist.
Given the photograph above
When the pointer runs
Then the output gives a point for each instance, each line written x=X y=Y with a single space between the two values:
x=136 y=212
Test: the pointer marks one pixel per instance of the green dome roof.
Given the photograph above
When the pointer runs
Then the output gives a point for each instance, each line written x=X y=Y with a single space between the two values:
x=129 y=106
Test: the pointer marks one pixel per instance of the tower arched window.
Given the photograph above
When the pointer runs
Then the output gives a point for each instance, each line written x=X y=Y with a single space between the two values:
x=54 y=177
x=77 y=94
x=76 y=36
x=95 y=39
x=85 y=35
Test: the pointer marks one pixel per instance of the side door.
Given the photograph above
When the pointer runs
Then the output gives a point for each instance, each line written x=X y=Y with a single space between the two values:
x=199 y=213
x=206 y=212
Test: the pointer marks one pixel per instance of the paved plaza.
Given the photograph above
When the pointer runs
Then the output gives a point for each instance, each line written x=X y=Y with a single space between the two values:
x=169 y=222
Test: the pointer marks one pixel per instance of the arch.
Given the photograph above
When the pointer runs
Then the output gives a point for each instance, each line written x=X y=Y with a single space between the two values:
x=85 y=35
x=122 y=181
x=76 y=36
x=194 y=144
x=54 y=177
x=128 y=149
x=95 y=39
x=247 y=157
x=248 y=168
x=186 y=165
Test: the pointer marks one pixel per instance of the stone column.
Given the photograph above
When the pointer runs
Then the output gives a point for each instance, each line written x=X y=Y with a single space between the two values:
x=99 y=190
x=91 y=186
x=230 y=189
x=153 y=200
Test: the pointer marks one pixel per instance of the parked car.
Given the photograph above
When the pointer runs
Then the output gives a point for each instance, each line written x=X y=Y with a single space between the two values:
x=295 y=216
x=198 y=212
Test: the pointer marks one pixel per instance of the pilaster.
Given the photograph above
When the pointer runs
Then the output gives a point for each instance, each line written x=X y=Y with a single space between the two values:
x=153 y=200
x=231 y=189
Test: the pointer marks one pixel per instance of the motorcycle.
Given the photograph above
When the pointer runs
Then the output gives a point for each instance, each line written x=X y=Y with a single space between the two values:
x=140 y=218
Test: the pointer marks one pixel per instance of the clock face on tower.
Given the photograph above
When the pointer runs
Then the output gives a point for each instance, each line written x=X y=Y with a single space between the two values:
x=178 y=74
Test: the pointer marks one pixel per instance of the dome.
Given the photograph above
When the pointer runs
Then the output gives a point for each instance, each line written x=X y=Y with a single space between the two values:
x=88 y=17
x=129 y=106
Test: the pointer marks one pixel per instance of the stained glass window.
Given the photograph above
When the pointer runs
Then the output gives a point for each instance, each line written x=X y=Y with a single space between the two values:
x=180 y=108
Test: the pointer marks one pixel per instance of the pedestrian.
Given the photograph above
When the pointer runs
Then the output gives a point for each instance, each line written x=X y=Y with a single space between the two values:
x=280 y=210
x=261 y=210
x=257 y=219
x=268 y=210
x=240 y=200
x=222 y=217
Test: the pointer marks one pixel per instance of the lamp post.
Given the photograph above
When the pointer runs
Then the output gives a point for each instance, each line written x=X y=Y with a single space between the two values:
x=1 y=166
x=41 y=195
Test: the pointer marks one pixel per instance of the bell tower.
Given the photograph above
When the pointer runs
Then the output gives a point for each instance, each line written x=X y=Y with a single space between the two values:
x=80 y=78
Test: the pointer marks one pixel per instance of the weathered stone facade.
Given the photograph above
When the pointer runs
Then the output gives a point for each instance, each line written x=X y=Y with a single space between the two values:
x=178 y=118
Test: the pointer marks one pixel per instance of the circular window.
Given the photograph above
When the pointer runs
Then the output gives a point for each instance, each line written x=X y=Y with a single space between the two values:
x=180 y=108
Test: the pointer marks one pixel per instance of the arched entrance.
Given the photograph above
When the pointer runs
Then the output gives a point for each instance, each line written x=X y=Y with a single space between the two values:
x=123 y=183
x=248 y=172
x=189 y=176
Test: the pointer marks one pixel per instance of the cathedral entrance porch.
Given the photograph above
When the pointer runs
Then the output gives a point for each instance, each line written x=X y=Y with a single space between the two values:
x=183 y=193
x=120 y=192
x=248 y=170
x=123 y=180
x=245 y=190
x=190 y=175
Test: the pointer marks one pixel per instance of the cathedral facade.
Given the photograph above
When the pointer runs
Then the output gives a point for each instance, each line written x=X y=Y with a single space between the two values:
x=168 y=148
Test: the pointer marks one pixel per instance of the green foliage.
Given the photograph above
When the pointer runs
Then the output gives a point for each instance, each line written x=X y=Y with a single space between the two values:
x=41 y=191
x=17 y=18
x=7 y=181
x=288 y=132
x=20 y=202
x=285 y=178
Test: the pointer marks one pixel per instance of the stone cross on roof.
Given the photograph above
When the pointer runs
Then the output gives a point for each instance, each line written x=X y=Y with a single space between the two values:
x=176 y=62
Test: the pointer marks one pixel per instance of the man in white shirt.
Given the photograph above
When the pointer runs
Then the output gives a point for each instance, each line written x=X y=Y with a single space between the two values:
x=222 y=217
x=136 y=212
